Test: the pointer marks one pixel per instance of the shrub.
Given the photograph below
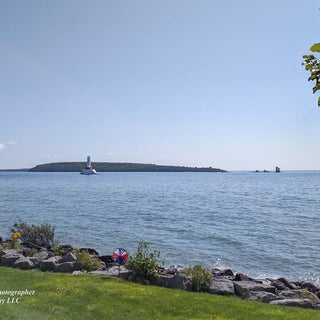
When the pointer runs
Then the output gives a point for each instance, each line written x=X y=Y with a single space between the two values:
x=57 y=250
x=86 y=263
x=145 y=262
x=35 y=235
x=201 y=278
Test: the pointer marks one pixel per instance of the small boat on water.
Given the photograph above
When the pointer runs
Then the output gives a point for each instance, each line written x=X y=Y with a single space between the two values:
x=88 y=170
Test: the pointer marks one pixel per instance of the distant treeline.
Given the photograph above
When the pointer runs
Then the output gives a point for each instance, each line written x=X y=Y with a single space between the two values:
x=117 y=167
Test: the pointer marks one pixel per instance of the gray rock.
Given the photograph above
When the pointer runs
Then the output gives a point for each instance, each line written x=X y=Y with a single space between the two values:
x=24 y=263
x=49 y=264
x=65 y=267
x=222 y=286
x=174 y=270
x=177 y=281
x=242 y=287
x=262 y=296
x=9 y=259
x=279 y=285
x=222 y=272
x=114 y=272
x=35 y=261
x=77 y=272
x=99 y=272
x=69 y=257
x=242 y=277
x=299 y=294
x=288 y=284
x=302 y=303
x=43 y=255
x=10 y=251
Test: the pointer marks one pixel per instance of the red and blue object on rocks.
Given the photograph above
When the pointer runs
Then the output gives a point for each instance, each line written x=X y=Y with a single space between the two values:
x=120 y=256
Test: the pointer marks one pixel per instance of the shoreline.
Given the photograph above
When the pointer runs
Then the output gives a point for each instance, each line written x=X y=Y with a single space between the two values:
x=280 y=291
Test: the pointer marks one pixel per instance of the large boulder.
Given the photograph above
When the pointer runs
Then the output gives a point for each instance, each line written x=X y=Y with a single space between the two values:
x=69 y=257
x=9 y=259
x=279 y=284
x=43 y=255
x=35 y=261
x=302 y=303
x=66 y=267
x=242 y=287
x=121 y=272
x=24 y=263
x=242 y=277
x=222 y=272
x=262 y=296
x=49 y=264
x=177 y=281
x=299 y=294
x=223 y=286
x=175 y=269
x=312 y=287
x=10 y=251
x=288 y=284
x=108 y=260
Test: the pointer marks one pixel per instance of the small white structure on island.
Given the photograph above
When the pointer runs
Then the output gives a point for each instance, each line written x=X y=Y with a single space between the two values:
x=88 y=169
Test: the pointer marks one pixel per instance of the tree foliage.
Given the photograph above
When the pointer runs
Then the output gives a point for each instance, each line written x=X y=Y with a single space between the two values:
x=312 y=65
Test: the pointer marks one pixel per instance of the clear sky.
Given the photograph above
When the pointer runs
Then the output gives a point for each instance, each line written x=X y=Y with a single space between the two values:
x=199 y=83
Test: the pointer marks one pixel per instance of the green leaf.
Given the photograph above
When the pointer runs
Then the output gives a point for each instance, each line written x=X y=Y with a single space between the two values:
x=319 y=102
x=313 y=77
x=305 y=56
x=315 y=47
x=308 y=66
x=316 y=88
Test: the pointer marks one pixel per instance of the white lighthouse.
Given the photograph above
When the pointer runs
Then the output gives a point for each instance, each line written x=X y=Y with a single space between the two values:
x=88 y=169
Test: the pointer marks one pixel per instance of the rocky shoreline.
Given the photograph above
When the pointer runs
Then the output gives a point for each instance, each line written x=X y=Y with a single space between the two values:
x=273 y=291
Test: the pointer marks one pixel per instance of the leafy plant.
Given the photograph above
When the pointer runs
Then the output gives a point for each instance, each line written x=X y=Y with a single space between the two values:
x=87 y=263
x=35 y=235
x=201 y=278
x=57 y=250
x=145 y=262
x=312 y=64
x=15 y=243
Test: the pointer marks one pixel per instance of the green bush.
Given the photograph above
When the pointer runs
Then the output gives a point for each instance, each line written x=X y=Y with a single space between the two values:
x=201 y=278
x=35 y=236
x=87 y=263
x=58 y=250
x=145 y=262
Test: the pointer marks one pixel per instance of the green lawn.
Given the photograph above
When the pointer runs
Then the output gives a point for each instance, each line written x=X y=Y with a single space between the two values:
x=63 y=296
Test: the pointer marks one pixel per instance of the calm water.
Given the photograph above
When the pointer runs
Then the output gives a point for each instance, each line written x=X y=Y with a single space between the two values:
x=260 y=224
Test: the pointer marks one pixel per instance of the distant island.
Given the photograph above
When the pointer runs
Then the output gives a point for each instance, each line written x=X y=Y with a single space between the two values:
x=117 y=167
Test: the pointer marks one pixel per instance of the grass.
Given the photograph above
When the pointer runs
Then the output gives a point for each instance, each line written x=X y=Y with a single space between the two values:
x=63 y=296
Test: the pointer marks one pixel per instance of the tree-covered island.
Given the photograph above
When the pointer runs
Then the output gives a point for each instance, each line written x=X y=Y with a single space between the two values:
x=118 y=167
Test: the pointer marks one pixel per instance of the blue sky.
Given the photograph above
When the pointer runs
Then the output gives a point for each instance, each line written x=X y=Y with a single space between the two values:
x=199 y=83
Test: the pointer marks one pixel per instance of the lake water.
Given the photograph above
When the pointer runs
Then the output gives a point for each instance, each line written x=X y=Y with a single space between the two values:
x=262 y=224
